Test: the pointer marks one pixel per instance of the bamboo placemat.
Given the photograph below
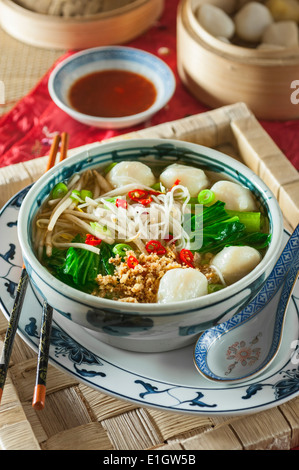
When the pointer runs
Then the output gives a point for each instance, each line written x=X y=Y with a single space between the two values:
x=78 y=417
x=21 y=67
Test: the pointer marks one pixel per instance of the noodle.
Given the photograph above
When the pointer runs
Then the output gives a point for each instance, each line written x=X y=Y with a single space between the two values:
x=92 y=216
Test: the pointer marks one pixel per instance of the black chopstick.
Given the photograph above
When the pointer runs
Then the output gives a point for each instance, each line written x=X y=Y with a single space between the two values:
x=39 y=395
x=24 y=278
x=12 y=328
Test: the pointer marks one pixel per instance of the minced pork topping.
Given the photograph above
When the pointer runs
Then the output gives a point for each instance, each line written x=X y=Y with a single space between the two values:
x=140 y=284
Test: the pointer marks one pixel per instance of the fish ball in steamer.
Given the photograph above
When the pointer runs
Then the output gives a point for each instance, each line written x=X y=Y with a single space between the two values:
x=235 y=196
x=129 y=172
x=193 y=178
x=282 y=33
x=215 y=21
x=252 y=20
x=235 y=262
x=182 y=284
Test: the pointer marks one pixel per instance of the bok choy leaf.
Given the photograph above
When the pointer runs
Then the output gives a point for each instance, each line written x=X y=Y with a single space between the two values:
x=222 y=228
x=79 y=268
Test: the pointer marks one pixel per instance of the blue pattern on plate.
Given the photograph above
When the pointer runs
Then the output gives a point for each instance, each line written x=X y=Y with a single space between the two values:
x=66 y=346
x=170 y=391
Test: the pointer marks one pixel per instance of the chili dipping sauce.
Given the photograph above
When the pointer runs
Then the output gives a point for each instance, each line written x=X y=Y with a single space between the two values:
x=112 y=93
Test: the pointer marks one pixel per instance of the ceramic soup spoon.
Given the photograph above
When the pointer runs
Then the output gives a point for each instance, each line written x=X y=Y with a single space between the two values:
x=251 y=338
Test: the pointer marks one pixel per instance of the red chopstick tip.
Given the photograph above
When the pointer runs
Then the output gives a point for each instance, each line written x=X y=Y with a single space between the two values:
x=39 y=397
x=1 y=393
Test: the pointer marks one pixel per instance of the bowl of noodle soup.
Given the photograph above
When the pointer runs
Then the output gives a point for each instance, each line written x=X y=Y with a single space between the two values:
x=149 y=242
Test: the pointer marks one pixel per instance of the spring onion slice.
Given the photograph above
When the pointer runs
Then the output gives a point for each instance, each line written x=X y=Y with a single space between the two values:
x=59 y=191
x=76 y=196
x=121 y=249
x=85 y=193
x=206 y=196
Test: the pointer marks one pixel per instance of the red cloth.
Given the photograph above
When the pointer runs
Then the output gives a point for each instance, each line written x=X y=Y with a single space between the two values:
x=25 y=132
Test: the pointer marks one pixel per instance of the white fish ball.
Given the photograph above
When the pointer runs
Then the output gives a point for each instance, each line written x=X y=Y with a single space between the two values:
x=129 y=172
x=215 y=21
x=235 y=262
x=182 y=284
x=252 y=20
x=282 y=33
x=193 y=178
x=235 y=196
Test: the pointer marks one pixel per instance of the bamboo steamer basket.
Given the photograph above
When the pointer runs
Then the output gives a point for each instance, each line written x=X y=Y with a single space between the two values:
x=218 y=73
x=118 y=23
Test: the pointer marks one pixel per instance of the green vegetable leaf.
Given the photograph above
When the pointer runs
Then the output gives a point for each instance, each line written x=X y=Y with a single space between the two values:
x=258 y=240
x=251 y=220
x=214 y=214
x=79 y=268
x=106 y=253
x=222 y=228
x=217 y=236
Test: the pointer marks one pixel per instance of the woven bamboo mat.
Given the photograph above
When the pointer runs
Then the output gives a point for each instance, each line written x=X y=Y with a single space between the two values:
x=79 y=417
x=21 y=67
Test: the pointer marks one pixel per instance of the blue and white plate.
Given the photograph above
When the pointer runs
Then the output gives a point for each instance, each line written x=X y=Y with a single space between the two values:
x=168 y=381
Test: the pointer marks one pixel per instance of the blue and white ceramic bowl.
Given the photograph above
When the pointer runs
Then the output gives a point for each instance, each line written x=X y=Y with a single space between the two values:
x=107 y=58
x=148 y=327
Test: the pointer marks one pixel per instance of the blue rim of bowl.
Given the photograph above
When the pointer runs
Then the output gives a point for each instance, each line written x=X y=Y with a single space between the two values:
x=128 y=55
x=104 y=154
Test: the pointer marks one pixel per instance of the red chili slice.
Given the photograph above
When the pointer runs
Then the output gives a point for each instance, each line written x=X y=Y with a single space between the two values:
x=92 y=240
x=176 y=183
x=138 y=194
x=132 y=262
x=141 y=196
x=121 y=203
x=145 y=202
x=187 y=257
x=154 y=246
